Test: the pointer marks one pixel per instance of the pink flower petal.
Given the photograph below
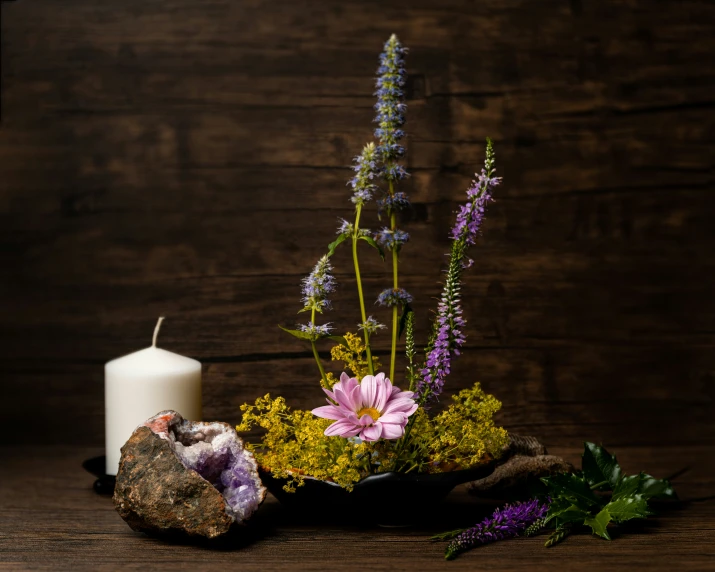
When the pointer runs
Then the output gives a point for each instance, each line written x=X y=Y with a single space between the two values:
x=400 y=405
x=366 y=420
x=398 y=418
x=344 y=377
x=384 y=390
x=328 y=412
x=343 y=398
x=342 y=429
x=392 y=431
x=330 y=394
x=368 y=391
x=371 y=433
x=355 y=395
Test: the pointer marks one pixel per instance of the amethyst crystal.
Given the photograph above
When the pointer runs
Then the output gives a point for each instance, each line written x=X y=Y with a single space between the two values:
x=190 y=476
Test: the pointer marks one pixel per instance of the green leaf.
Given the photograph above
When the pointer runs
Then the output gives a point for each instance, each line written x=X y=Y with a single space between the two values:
x=628 y=508
x=337 y=242
x=297 y=333
x=573 y=488
x=599 y=523
x=309 y=337
x=645 y=485
x=374 y=244
x=403 y=320
x=599 y=466
x=656 y=488
x=627 y=486
x=563 y=510
x=573 y=515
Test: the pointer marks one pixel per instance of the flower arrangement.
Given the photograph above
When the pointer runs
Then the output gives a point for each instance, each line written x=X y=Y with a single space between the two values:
x=370 y=424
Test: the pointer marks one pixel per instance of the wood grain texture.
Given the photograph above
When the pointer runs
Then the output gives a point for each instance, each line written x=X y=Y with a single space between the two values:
x=50 y=519
x=189 y=159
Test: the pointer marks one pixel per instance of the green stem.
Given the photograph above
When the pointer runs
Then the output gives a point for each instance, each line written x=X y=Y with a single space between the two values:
x=395 y=319
x=356 y=235
x=323 y=377
x=594 y=487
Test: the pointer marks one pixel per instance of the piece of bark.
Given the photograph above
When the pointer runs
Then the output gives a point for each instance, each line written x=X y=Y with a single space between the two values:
x=525 y=461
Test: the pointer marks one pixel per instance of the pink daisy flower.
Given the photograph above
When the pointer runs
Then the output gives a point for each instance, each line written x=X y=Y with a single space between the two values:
x=372 y=409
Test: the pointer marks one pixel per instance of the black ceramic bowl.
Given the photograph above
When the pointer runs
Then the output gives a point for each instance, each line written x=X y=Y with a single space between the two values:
x=392 y=499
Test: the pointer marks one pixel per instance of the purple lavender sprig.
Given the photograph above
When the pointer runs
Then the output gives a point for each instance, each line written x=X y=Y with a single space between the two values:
x=390 y=108
x=390 y=117
x=448 y=334
x=507 y=522
x=317 y=285
x=366 y=170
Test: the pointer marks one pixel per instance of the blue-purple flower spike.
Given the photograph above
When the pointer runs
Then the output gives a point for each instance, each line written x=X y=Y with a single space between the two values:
x=449 y=333
x=390 y=108
x=507 y=522
x=366 y=170
x=317 y=285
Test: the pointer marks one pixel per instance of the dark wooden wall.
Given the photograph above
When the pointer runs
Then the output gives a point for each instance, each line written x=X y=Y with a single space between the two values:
x=189 y=158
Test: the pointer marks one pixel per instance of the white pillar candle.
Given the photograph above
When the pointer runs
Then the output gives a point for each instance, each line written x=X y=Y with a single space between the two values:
x=142 y=384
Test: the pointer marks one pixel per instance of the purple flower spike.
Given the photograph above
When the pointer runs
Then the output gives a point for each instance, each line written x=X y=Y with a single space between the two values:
x=507 y=522
x=449 y=332
x=391 y=108
x=317 y=285
x=365 y=168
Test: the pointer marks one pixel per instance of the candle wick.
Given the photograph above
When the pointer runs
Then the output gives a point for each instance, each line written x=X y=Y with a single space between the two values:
x=156 y=331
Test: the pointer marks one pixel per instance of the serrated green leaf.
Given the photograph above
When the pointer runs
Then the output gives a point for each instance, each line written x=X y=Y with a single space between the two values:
x=573 y=515
x=599 y=465
x=563 y=510
x=652 y=488
x=645 y=485
x=574 y=488
x=337 y=242
x=599 y=523
x=375 y=245
x=628 y=508
x=627 y=486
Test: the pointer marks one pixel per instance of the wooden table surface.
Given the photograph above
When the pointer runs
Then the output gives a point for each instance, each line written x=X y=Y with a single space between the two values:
x=50 y=519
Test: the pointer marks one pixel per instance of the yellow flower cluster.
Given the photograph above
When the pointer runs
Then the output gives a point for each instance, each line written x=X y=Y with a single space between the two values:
x=353 y=357
x=294 y=445
x=461 y=436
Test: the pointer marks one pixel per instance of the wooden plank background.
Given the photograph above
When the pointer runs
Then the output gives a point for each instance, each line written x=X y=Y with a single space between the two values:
x=189 y=158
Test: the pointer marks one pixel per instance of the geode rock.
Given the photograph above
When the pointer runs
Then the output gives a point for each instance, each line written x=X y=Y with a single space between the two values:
x=186 y=476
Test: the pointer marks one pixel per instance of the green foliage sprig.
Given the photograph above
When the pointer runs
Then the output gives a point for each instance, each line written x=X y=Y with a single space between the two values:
x=583 y=499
